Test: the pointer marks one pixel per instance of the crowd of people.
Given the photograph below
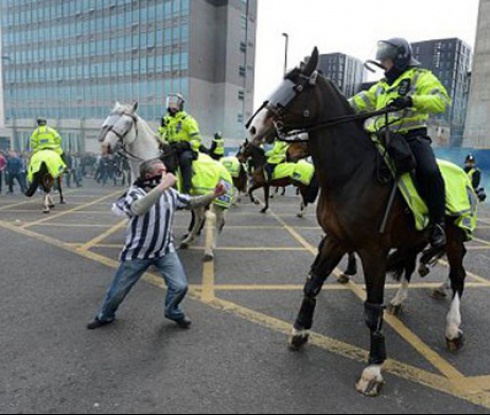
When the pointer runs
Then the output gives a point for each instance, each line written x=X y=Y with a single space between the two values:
x=112 y=169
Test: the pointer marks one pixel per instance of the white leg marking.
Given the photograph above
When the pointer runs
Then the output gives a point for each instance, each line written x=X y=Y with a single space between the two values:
x=453 y=319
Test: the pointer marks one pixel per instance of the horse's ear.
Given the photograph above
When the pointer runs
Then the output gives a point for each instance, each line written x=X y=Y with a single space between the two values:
x=135 y=106
x=312 y=63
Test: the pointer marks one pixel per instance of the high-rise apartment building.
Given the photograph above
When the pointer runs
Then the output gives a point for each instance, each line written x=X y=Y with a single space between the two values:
x=70 y=60
x=449 y=60
x=477 y=129
x=345 y=71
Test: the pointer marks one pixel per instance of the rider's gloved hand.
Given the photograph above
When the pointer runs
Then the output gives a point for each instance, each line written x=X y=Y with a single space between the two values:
x=401 y=102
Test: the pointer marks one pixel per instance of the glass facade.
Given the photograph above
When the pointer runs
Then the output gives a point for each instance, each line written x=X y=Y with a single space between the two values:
x=450 y=61
x=72 y=59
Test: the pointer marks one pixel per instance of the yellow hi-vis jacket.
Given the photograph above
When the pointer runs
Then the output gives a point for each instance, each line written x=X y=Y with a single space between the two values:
x=46 y=138
x=428 y=95
x=278 y=154
x=182 y=127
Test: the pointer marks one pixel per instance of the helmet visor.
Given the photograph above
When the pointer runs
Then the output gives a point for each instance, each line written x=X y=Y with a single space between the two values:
x=385 y=51
x=174 y=102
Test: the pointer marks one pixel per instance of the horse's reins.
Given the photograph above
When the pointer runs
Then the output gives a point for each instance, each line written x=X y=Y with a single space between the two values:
x=279 y=126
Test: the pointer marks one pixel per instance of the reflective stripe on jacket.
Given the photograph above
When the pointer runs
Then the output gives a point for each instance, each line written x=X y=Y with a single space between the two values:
x=182 y=127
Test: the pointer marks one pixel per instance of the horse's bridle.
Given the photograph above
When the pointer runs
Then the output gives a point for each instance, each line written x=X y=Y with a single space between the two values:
x=286 y=93
x=121 y=135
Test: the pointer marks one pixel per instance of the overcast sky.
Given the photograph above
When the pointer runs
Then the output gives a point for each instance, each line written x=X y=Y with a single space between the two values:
x=352 y=27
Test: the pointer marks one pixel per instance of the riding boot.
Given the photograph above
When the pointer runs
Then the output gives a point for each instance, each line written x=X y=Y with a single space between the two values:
x=438 y=238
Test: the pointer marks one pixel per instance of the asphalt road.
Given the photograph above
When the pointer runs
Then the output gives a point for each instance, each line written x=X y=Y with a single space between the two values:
x=55 y=269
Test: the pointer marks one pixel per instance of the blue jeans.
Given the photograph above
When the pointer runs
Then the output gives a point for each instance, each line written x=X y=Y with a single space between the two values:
x=130 y=272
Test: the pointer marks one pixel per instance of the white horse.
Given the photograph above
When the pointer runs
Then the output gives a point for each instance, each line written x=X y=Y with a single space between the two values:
x=124 y=130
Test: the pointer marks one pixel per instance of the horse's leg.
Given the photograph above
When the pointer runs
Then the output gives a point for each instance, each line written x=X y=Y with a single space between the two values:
x=60 y=185
x=440 y=293
x=374 y=265
x=350 y=271
x=330 y=254
x=46 y=202
x=250 y=193
x=303 y=210
x=396 y=304
x=217 y=217
x=200 y=216
x=456 y=252
x=266 y=199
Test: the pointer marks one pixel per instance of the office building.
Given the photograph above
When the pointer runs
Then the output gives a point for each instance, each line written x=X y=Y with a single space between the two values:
x=477 y=129
x=70 y=60
x=449 y=60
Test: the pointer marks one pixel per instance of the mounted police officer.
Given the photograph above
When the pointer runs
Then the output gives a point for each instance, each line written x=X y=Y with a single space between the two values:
x=181 y=131
x=415 y=92
x=217 y=150
x=46 y=138
x=277 y=155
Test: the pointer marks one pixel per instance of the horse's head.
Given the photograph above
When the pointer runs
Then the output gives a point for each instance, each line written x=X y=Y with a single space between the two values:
x=120 y=128
x=294 y=104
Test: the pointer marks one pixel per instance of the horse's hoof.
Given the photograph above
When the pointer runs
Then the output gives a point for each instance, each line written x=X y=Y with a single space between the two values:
x=256 y=202
x=208 y=258
x=264 y=210
x=184 y=246
x=62 y=202
x=394 y=310
x=46 y=211
x=297 y=341
x=424 y=270
x=438 y=294
x=343 y=279
x=370 y=388
x=300 y=215
x=52 y=206
x=455 y=345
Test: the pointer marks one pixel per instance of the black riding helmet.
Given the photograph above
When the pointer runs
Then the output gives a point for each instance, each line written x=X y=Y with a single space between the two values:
x=397 y=49
x=470 y=159
x=218 y=135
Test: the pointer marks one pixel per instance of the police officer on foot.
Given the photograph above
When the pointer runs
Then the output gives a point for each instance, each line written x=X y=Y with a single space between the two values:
x=46 y=138
x=181 y=131
x=415 y=93
x=475 y=176
x=217 y=151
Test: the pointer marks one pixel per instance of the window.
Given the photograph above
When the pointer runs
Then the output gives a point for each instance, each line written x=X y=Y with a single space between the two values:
x=241 y=71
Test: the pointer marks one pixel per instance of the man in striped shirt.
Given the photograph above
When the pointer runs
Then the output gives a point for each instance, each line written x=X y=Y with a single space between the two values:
x=150 y=205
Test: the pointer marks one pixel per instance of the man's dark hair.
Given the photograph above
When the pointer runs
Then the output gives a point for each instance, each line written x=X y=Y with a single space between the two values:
x=148 y=167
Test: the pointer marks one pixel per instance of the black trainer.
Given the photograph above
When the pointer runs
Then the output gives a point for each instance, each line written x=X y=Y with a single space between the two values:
x=96 y=323
x=183 y=323
x=438 y=238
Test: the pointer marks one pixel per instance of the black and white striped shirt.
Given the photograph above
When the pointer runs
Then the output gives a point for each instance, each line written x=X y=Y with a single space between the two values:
x=150 y=235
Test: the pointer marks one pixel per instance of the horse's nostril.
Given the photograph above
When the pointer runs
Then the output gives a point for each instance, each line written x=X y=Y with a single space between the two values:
x=253 y=131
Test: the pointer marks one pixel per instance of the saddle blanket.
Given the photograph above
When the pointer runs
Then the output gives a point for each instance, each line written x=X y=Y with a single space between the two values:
x=53 y=161
x=233 y=166
x=302 y=172
x=208 y=173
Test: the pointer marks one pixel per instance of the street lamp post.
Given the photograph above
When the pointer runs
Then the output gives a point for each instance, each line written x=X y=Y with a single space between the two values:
x=286 y=47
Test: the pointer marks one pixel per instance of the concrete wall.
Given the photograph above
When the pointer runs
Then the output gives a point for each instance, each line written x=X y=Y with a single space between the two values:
x=477 y=130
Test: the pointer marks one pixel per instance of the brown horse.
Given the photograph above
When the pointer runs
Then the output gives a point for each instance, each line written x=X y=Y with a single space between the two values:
x=352 y=206
x=46 y=182
x=259 y=180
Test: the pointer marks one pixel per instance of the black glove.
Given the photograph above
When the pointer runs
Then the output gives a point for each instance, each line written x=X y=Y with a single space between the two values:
x=401 y=102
